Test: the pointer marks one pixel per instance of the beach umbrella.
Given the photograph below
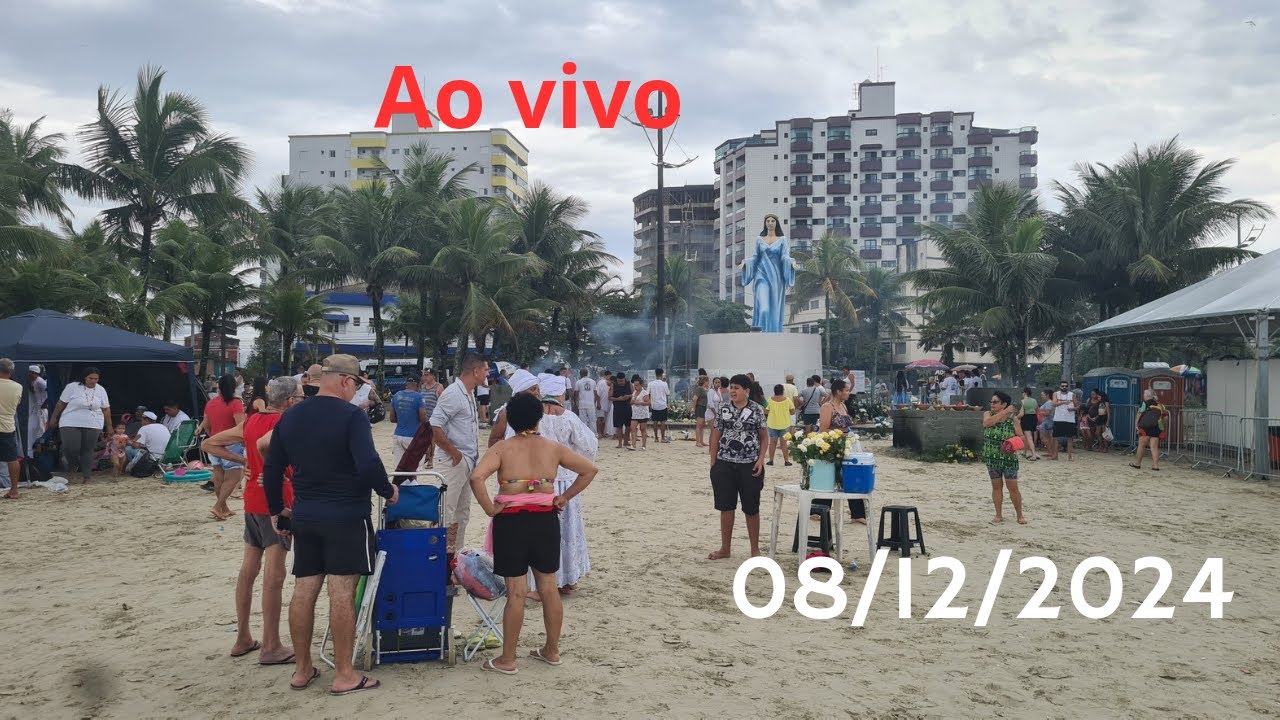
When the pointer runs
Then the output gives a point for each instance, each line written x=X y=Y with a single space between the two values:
x=925 y=365
x=965 y=367
x=1185 y=370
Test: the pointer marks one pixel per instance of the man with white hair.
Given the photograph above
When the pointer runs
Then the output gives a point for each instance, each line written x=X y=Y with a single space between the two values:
x=522 y=381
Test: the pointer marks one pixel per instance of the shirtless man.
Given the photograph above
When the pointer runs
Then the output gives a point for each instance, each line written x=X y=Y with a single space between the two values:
x=526 y=524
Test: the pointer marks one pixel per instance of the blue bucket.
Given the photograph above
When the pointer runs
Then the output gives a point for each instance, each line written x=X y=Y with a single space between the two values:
x=822 y=476
x=858 y=473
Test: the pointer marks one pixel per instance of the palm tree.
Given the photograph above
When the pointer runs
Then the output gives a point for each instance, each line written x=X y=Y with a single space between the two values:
x=1143 y=225
x=370 y=234
x=284 y=309
x=30 y=164
x=829 y=269
x=948 y=338
x=881 y=309
x=155 y=159
x=221 y=292
x=291 y=218
x=999 y=276
x=574 y=259
x=484 y=276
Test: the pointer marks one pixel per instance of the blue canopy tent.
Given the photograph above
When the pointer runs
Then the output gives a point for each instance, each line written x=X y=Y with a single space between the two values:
x=135 y=369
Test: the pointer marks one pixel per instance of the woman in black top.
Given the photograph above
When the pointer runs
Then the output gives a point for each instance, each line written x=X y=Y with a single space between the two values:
x=620 y=396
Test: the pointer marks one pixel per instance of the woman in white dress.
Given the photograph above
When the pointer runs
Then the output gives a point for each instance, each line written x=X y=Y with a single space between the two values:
x=567 y=429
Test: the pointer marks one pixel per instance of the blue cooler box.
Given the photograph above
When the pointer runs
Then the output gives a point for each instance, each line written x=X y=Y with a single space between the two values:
x=858 y=473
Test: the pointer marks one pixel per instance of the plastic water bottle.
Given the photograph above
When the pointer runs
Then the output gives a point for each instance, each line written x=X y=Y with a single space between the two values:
x=856 y=444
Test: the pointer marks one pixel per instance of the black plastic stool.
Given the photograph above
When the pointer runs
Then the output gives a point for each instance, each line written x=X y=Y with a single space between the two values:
x=900 y=529
x=821 y=541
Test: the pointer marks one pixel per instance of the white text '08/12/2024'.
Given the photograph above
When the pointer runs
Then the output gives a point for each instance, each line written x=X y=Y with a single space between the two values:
x=1205 y=588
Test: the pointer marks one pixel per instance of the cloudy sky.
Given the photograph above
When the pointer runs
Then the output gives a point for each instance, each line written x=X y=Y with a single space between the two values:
x=1095 y=77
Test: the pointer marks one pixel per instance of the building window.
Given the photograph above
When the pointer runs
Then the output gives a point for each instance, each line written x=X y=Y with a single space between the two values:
x=332 y=153
x=958 y=151
x=870 y=244
x=889 y=176
x=889 y=221
x=355 y=321
x=819 y=156
x=957 y=173
x=872 y=131
x=899 y=348
x=395 y=151
x=818 y=200
x=889 y=198
x=958 y=196
x=333 y=328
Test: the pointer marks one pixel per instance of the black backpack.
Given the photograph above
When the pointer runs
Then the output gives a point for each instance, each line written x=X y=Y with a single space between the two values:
x=145 y=465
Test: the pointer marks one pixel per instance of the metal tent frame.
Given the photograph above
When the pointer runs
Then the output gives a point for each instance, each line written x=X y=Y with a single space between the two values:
x=1244 y=300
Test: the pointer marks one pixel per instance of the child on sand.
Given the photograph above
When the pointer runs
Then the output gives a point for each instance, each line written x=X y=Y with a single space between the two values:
x=119 y=440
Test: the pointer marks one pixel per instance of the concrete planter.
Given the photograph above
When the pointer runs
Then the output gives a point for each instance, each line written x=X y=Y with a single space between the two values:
x=928 y=431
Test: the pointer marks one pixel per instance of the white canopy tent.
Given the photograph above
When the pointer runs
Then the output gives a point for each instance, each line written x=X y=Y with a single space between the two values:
x=1244 y=300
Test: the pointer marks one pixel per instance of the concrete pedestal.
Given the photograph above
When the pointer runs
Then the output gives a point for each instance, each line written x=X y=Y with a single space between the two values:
x=771 y=356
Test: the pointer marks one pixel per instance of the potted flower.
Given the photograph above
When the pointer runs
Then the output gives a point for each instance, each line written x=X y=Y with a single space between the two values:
x=819 y=453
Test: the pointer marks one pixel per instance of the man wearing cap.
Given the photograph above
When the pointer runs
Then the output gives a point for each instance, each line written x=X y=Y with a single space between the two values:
x=328 y=443
x=522 y=381
x=456 y=421
x=37 y=396
x=152 y=437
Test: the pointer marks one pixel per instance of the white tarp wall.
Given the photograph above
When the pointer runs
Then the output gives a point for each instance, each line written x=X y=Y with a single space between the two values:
x=1229 y=389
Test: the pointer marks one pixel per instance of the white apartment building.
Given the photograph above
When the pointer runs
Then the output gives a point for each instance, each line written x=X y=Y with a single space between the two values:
x=351 y=158
x=872 y=175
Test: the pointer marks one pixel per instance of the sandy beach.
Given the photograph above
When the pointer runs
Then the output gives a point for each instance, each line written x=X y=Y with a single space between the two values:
x=118 y=603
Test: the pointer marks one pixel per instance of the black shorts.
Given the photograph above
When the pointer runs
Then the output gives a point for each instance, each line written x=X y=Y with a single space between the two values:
x=658 y=415
x=621 y=416
x=808 y=419
x=1028 y=423
x=1064 y=429
x=482 y=400
x=9 y=448
x=731 y=481
x=333 y=547
x=523 y=540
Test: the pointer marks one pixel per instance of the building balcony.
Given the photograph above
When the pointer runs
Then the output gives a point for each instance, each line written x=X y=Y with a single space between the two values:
x=980 y=137
x=870 y=231
x=943 y=139
x=838 y=121
x=801 y=189
x=908 y=208
x=909 y=140
x=942 y=116
x=870 y=253
x=977 y=182
x=870 y=188
x=941 y=162
x=839 y=188
x=909 y=163
x=871 y=165
x=1027 y=180
x=801 y=168
x=801 y=145
x=842 y=231
x=869 y=209
x=908 y=230
x=740 y=175
x=908 y=186
x=979 y=161
x=801 y=211
x=839 y=210
x=943 y=185
x=839 y=144
x=802 y=232
x=1028 y=135
x=1028 y=158
x=838 y=166
x=941 y=208
x=909 y=118
x=366 y=162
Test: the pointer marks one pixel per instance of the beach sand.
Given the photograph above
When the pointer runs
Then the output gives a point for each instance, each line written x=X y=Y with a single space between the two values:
x=117 y=602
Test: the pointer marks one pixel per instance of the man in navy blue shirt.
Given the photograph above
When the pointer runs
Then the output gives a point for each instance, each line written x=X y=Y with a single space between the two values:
x=329 y=444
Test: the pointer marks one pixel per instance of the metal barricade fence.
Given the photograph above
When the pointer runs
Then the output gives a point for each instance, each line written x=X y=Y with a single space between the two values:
x=1259 y=448
x=1210 y=439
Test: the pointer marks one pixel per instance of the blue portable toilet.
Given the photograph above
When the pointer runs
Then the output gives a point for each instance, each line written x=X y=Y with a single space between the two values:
x=1124 y=391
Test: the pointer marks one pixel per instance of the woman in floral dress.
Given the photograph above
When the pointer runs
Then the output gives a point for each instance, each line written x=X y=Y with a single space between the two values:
x=997 y=424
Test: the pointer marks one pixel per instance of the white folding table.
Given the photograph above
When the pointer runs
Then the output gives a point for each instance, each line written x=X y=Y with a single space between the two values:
x=805 y=499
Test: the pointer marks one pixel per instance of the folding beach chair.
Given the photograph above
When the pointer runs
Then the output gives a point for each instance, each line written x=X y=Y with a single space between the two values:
x=490 y=623
x=468 y=572
x=180 y=443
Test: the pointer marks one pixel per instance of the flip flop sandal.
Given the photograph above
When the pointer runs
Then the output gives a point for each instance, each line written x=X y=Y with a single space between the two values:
x=364 y=685
x=256 y=646
x=490 y=667
x=315 y=673
x=287 y=661
x=536 y=654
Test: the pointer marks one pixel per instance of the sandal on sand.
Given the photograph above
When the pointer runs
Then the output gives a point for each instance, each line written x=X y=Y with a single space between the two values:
x=256 y=646
x=315 y=673
x=1135 y=467
x=536 y=654
x=365 y=681
x=286 y=661
x=488 y=665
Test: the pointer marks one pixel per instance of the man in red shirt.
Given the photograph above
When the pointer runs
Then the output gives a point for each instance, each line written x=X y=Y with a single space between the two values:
x=260 y=538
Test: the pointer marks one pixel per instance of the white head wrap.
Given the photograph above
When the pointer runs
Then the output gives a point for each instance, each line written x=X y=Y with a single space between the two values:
x=554 y=386
x=522 y=380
